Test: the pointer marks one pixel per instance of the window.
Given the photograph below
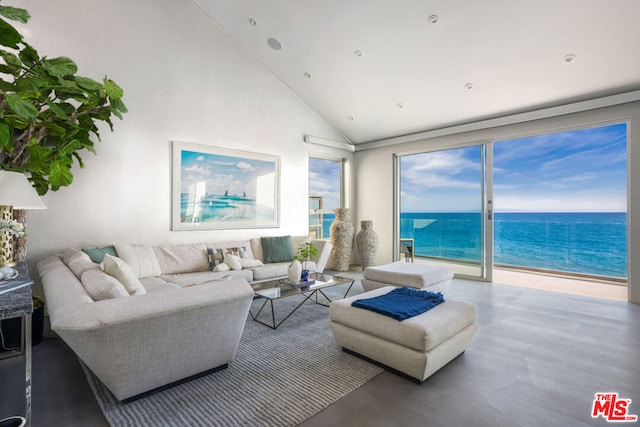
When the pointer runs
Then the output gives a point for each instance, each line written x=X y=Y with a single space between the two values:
x=325 y=194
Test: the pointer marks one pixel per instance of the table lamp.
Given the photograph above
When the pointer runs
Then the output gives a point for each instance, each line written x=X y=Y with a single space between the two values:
x=16 y=192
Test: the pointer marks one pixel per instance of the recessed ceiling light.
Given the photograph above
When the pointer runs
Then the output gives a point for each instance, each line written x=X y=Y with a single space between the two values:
x=274 y=44
x=307 y=75
x=433 y=19
x=468 y=86
x=253 y=21
x=569 y=58
x=358 y=53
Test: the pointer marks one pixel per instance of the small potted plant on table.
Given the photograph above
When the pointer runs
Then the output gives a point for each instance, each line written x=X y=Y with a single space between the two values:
x=305 y=252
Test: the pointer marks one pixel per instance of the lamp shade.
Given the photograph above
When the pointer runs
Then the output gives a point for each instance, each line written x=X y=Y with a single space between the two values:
x=16 y=191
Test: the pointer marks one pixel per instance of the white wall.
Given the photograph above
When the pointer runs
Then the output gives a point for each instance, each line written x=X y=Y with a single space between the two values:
x=183 y=80
x=374 y=173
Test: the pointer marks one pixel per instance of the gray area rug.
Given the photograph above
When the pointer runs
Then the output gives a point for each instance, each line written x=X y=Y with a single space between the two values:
x=279 y=378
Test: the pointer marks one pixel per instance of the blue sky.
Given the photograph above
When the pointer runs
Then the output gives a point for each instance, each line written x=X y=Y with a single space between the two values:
x=576 y=171
x=324 y=181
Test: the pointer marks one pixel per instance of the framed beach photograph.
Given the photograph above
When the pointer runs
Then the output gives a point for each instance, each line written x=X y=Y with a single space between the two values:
x=219 y=188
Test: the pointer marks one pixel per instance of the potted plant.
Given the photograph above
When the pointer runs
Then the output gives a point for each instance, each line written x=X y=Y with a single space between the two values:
x=305 y=252
x=48 y=114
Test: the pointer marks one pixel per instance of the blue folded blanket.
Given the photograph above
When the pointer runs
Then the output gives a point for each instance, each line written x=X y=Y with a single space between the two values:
x=401 y=303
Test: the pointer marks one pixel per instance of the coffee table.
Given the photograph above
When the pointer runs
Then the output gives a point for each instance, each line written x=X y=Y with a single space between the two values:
x=281 y=288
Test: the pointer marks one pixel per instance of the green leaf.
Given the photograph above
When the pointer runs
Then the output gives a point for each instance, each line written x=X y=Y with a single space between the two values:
x=15 y=14
x=5 y=134
x=58 y=111
x=9 y=36
x=11 y=59
x=60 y=174
x=61 y=66
x=6 y=86
x=21 y=107
x=113 y=90
x=87 y=83
x=28 y=55
x=118 y=105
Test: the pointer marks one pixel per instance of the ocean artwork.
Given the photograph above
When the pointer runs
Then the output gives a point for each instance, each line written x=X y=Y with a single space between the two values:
x=221 y=188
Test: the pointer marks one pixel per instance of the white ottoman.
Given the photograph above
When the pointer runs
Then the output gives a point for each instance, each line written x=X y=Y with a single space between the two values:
x=433 y=278
x=417 y=346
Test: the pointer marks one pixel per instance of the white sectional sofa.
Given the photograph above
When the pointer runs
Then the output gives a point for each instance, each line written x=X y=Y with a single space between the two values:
x=155 y=315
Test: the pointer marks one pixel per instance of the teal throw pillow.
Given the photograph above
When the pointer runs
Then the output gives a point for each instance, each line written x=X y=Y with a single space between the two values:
x=97 y=254
x=277 y=249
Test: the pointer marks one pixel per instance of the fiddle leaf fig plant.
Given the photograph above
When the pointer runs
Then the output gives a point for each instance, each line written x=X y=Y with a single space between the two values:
x=48 y=114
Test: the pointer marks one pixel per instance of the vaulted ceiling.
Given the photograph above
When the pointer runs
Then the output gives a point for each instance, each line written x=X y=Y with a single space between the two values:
x=376 y=69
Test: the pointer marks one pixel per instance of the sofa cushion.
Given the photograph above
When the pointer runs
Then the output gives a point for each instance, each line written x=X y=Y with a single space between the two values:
x=101 y=286
x=97 y=254
x=141 y=258
x=78 y=262
x=187 y=258
x=277 y=249
x=119 y=269
x=187 y=279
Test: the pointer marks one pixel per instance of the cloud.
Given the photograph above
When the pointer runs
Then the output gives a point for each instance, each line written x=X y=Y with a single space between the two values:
x=201 y=170
x=245 y=167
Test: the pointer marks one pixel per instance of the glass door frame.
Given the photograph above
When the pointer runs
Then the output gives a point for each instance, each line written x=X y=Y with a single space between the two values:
x=486 y=188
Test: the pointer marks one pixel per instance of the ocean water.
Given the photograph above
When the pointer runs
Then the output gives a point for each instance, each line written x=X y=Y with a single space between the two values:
x=588 y=243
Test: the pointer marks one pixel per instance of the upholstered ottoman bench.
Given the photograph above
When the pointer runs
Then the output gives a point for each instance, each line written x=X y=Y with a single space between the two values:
x=417 y=346
x=420 y=276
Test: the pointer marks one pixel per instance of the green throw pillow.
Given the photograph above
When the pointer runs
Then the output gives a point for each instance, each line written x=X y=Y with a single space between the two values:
x=277 y=249
x=97 y=254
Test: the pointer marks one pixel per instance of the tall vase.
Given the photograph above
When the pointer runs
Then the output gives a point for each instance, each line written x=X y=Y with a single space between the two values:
x=367 y=244
x=6 y=239
x=341 y=235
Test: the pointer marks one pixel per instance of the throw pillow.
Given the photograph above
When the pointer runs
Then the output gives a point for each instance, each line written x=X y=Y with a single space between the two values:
x=239 y=252
x=277 y=249
x=216 y=257
x=248 y=263
x=119 y=269
x=233 y=262
x=97 y=254
x=221 y=267
x=100 y=286
x=78 y=261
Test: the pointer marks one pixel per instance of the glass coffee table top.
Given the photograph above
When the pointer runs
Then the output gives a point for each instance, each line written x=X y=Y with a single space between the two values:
x=273 y=290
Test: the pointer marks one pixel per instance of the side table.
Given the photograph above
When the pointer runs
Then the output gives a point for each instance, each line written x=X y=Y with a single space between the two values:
x=19 y=303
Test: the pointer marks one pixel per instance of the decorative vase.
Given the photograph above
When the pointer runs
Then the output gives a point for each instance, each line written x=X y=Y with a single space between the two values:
x=305 y=275
x=341 y=235
x=294 y=271
x=367 y=244
x=6 y=240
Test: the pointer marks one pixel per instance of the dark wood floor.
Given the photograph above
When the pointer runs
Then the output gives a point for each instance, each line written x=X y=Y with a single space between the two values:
x=537 y=360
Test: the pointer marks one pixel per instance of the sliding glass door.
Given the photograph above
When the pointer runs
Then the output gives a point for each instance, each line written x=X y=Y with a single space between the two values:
x=444 y=215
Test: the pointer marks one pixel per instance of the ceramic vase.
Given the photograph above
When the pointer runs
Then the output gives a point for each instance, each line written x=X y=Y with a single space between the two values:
x=367 y=244
x=341 y=235
x=294 y=271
